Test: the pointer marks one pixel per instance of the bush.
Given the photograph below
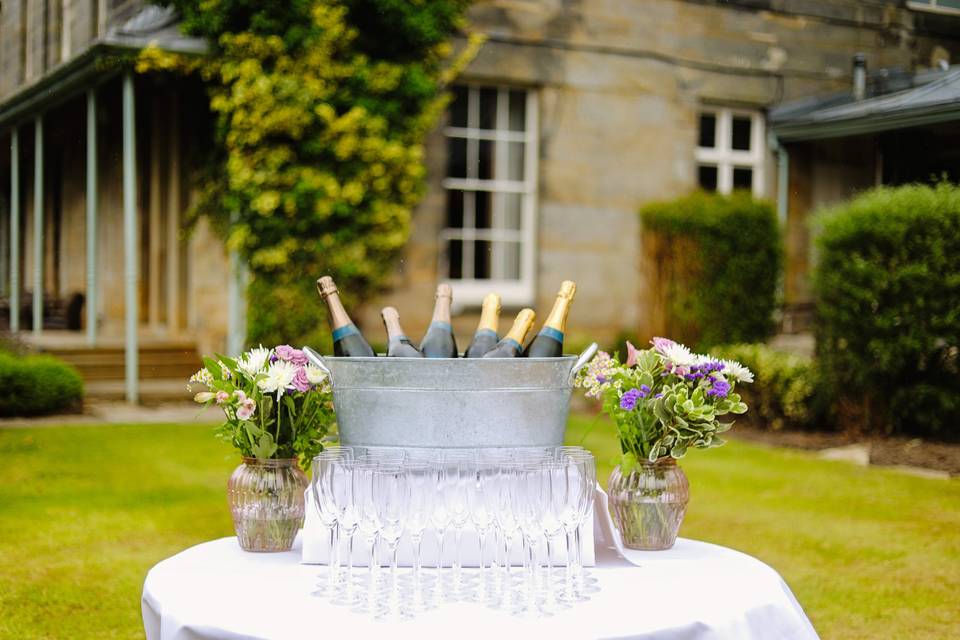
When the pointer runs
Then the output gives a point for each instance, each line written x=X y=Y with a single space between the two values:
x=784 y=393
x=715 y=263
x=888 y=307
x=37 y=385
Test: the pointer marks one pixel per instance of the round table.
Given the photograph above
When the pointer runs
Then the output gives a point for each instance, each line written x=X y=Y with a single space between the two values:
x=695 y=590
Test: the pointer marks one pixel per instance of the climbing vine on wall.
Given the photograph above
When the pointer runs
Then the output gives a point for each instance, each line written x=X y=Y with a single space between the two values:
x=321 y=109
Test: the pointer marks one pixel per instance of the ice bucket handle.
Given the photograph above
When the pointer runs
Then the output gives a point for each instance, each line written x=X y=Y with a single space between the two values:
x=317 y=360
x=584 y=358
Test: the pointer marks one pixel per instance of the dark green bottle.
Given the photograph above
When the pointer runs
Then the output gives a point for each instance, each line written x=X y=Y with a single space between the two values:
x=347 y=339
x=549 y=342
x=512 y=344
x=485 y=338
x=398 y=344
x=439 y=341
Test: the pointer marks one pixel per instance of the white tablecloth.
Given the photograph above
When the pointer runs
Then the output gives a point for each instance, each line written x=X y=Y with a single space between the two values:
x=693 y=591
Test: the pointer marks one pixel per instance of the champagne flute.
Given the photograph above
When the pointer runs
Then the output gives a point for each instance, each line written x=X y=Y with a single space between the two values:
x=368 y=520
x=392 y=502
x=421 y=498
x=480 y=502
x=327 y=510
x=457 y=466
x=341 y=488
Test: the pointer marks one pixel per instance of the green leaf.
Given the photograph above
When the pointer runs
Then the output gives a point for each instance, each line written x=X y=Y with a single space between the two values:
x=213 y=367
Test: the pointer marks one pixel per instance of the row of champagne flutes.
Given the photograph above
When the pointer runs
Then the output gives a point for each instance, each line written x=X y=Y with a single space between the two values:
x=538 y=497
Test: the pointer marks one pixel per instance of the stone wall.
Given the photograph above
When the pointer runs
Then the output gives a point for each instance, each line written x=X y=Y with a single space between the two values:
x=620 y=86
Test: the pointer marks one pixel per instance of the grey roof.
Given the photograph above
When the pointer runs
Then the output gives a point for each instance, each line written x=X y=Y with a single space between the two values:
x=934 y=98
x=152 y=26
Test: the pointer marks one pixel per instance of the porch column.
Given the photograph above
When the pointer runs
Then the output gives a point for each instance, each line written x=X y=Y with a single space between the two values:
x=236 y=304
x=4 y=249
x=38 y=225
x=14 y=231
x=130 y=235
x=91 y=217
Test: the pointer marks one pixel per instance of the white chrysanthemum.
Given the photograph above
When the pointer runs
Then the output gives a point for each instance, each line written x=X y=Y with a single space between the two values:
x=253 y=361
x=737 y=371
x=315 y=374
x=679 y=355
x=280 y=375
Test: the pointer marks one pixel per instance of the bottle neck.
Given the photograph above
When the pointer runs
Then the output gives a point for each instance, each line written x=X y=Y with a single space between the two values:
x=490 y=314
x=557 y=320
x=391 y=321
x=521 y=326
x=441 y=310
x=338 y=315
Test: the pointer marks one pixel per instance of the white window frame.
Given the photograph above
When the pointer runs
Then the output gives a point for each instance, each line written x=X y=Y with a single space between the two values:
x=932 y=7
x=469 y=291
x=724 y=157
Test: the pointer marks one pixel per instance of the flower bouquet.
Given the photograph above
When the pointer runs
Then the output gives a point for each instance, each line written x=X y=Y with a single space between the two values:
x=663 y=401
x=278 y=410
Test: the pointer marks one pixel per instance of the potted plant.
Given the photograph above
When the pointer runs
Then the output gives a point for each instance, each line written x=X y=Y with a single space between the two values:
x=663 y=400
x=278 y=411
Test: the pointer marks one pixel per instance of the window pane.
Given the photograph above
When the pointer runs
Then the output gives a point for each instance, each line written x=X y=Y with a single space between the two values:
x=708 y=130
x=512 y=213
x=949 y=4
x=509 y=253
x=515 y=156
x=458 y=107
x=456 y=157
x=707 y=177
x=483 y=213
x=740 y=139
x=518 y=110
x=454 y=209
x=487 y=159
x=488 y=108
x=742 y=178
x=481 y=260
x=455 y=258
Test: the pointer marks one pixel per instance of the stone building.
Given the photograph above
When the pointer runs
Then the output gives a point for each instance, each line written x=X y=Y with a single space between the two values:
x=572 y=116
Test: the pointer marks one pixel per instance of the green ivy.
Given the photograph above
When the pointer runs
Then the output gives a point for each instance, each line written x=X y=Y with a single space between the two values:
x=321 y=110
x=727 y=256
x=888 y=309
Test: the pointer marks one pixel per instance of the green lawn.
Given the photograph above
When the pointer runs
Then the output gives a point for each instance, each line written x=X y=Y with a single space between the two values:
x=85 y=511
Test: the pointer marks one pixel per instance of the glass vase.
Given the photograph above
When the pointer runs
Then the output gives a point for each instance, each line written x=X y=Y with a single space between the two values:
x=647 y=506
x=266 y=502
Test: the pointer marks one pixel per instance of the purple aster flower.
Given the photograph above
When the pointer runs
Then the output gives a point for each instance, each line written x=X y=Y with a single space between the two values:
x=719 y=388
x=644 y=391
x=602 y=379
x=629 y=400
x=658 y=396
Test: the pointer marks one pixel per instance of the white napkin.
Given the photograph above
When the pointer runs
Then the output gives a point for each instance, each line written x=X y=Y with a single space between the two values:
x=316 y=541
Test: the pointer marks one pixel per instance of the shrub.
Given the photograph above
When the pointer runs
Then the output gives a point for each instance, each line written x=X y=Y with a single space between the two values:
x=888 y=307
x=36 y=385
x=784 y=393
x=715 y=264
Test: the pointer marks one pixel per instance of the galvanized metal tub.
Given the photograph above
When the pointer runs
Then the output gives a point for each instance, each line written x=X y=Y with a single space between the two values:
x=452 y=402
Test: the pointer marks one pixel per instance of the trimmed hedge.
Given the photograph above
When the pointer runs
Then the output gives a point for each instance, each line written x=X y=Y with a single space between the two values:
x=716 y=262
x=37 y=385
x=888 y=307
x=785 y=390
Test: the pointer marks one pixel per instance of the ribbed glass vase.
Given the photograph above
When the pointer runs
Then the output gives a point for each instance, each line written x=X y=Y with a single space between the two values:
x=266 y=502
x=648 y=505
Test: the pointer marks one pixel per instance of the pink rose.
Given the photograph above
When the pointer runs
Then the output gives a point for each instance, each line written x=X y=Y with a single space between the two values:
x=300 y=381
x=298 y=358
x=285 y=352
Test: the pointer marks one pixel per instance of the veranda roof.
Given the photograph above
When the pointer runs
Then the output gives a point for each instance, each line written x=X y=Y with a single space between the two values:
x=935 y=98
x=156 y=26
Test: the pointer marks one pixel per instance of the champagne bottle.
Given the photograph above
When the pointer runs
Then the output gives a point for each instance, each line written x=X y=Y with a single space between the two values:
x=549 y=342
x=485 y=337
x=439 y=341
x=512 y=343
x=347 y=339
x=399 y=345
